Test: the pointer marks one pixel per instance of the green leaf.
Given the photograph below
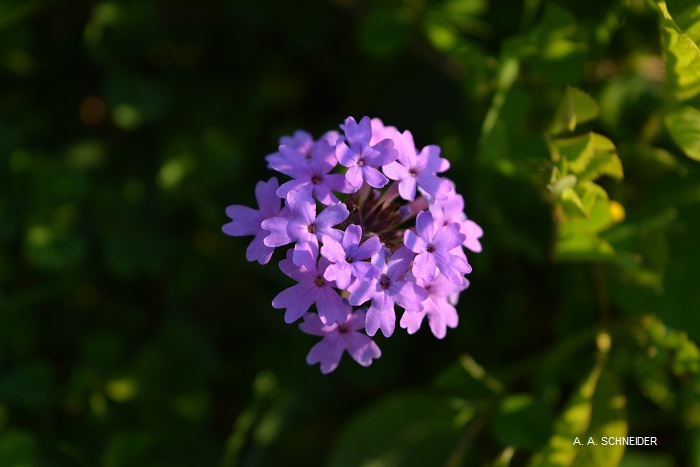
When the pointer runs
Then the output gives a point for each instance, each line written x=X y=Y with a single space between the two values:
x=684 y=126
x=608 y=419
x=589 y=193
x=578 y=151
x=686 y=14
x=575 y=107
x=573 y=422
x=682 y=63
x=403 y=429
x=504 y=458
x=605 y=160
x=520 y=420
x=572 y=204
x=578 y=233
x=585 y=247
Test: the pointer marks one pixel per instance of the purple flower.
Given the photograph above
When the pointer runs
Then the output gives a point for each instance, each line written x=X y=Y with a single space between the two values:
x=339 y=337
x=311 y=288
x=247 y=221
x=303 y=226
x=381 y=132
x=301 y=140
x=297 y=149
x=451 y=209
x=433 y=249
x=314 y=175
x=387 y=288
x=347 y=257
x=437 y=307
x=360 y=158
x=394 y=238
x=413 y=169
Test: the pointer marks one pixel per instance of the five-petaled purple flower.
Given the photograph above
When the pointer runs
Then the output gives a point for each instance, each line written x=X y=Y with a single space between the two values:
x=451 y=209
x=313 y=174
x=311 y=288
x=247 y=221
x=303 y=226
x=388 y=287
x=437 y=307
x=412 y=169
x=433 y=247
x=386 y=229
x=347 y=257
x=339 y=337
x=361 y=159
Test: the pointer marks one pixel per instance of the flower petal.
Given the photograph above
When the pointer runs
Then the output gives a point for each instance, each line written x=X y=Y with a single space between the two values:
x=374 y=177
x=277 y=226
x=258 y=251
x=381 y=315
x=411 y=320
x=424 y=266
x=297 y=299
x=413 y=242
x=361 y=348
x=354 y=176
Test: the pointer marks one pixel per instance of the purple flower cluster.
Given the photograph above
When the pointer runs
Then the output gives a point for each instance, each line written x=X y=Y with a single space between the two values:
x=372 y=226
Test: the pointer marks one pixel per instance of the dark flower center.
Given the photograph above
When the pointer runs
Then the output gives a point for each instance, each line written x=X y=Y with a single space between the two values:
x=381 y=214
x=320 y=281
x=316 y=179
x=343 y=328
x=312 y=228
x=430 y=248
x=384 y=282
x=348 y=259
x=412 y=172
x=361 y=162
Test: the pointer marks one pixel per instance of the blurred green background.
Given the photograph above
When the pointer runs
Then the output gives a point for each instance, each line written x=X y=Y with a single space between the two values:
x=134 y=333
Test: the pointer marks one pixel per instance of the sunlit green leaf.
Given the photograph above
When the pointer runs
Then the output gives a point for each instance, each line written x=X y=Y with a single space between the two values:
x=682 y=63
x=686 y=14
x=573 y=422
x=589 y=193
x=684 y=126
x=571 y=203
x=602 y=163
x=578 y=151
x=583 y=247
x=504 y=458
x=608 y=419
x=575 y=107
